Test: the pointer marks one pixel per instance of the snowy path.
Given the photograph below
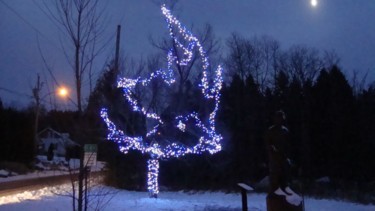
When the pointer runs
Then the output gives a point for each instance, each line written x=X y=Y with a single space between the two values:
x=168 y=201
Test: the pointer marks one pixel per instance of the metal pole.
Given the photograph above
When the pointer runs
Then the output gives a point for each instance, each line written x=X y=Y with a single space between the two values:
x=244 y=199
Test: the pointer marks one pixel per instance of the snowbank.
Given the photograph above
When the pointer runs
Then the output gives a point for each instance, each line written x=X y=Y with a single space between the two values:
x=58 y=166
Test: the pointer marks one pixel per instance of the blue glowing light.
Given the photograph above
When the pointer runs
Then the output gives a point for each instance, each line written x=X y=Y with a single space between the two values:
x=209 y=141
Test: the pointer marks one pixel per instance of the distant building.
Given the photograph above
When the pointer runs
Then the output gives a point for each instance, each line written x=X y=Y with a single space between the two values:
x=59 y=141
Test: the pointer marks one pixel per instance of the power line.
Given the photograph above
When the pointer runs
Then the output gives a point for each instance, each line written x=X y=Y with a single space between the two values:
x=110 y=38
x=24 y=20
x=15 y=92
x=43 y=99
x=38 y=32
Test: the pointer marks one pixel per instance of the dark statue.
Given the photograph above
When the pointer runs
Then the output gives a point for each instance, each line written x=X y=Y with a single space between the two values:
x=280 y=196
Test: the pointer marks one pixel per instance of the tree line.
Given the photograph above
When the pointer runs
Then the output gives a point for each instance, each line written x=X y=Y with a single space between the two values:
x=330 y=119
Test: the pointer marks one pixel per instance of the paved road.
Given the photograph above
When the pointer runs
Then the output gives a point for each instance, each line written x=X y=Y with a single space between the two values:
x=12 y=187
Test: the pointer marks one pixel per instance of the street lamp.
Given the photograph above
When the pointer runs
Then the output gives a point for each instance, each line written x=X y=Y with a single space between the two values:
x=62 y=91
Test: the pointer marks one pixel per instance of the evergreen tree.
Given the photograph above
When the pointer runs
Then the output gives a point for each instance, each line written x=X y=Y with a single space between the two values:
x=333 y=120
x=125 y=171
x=281 y=89
x=16 y=133
x=255 y=128
x=366 y=125
x=236 y=123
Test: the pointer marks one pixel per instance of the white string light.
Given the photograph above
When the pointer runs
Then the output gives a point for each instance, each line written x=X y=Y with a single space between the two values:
x=209 y=141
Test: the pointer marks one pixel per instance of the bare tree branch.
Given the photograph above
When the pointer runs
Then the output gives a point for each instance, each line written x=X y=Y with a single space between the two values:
x=82 y=22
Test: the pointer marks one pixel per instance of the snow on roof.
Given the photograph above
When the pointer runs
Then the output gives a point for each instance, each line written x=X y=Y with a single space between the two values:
x=62 y=138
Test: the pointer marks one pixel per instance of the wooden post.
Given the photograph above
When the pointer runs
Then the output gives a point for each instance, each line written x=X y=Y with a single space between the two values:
x=244 y=189
x=87 y=169
x=80 y=181
x=36 y=95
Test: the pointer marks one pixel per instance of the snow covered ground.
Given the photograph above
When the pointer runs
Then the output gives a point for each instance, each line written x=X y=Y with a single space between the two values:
x=50 y=198
x=59 y=198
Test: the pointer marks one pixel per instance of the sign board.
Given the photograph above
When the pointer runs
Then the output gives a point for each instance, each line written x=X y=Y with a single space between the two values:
x=90 y=154
x=90 y=148
x=245 y=187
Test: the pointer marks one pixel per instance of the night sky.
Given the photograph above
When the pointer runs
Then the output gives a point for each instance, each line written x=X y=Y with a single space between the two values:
x=345 y=26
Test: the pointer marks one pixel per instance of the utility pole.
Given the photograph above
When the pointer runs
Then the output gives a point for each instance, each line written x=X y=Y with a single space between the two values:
x=83 y=170
x=36 y=95
x=117 y=55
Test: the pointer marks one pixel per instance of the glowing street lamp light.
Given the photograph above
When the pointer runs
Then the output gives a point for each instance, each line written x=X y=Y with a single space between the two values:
x=62 y=92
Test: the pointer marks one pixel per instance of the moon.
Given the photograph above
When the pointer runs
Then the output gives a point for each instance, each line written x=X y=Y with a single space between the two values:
x=314 y=3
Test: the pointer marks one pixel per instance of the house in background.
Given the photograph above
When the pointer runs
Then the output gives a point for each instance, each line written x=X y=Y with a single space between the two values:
x=60 y=142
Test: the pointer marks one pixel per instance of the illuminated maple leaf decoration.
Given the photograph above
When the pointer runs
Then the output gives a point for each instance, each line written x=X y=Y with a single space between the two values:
x=208 y=141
